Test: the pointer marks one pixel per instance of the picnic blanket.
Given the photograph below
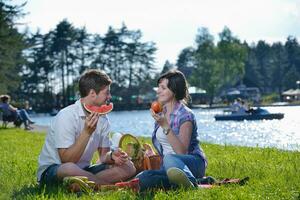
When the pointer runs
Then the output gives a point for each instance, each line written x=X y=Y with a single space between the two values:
x=209 y=181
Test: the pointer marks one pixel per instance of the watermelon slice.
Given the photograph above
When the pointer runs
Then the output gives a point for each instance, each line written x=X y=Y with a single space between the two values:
x=104 y=109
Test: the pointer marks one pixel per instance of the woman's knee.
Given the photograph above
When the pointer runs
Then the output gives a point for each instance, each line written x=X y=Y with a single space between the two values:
x=169 y=160
x=170 y=157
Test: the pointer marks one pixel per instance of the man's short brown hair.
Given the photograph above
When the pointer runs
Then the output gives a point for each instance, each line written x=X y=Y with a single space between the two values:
x=93 y=79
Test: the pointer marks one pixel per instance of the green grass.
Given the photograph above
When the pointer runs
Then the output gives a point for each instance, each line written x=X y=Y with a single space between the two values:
x=274 y=174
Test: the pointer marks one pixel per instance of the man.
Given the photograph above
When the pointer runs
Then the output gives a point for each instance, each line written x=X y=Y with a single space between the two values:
x=75 y=135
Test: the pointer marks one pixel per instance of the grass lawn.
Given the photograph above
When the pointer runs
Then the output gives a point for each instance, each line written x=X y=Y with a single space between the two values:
x=274 y=174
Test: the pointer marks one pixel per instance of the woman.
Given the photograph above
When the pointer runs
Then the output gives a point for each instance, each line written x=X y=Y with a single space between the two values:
x=175 y=138
x=15 y=113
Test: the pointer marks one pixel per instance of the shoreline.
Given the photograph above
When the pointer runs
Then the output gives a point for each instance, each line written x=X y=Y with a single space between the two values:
x=36 y=128
x=216 y=106
x=39 y=128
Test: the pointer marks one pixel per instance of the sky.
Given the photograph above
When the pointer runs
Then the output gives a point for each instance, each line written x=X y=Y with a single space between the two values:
x=171 y=24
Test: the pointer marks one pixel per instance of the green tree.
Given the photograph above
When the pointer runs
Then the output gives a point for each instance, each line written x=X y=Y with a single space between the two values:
x=279 y=67
x=167 y=66
x=291 y=77
x=127 y=59
x=264 y=65
x=83 y=47
x=37 y=74
x=64 y=37
x=293 y=61
x=231 y=56
x=11 y=46
x=111 y=54
x=97 y=55
x=186 y=61
x=207 y=73
x=252 y=76
x=139 y=59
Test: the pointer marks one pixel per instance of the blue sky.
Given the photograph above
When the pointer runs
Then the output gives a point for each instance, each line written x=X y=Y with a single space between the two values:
x=172 y=24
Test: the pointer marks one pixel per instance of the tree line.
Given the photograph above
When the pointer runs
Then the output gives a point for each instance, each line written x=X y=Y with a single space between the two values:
x=44 y=68
x=218 y=65
x=56 y=59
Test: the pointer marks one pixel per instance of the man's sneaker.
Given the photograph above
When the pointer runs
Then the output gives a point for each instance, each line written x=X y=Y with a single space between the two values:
x=178 y=177
x=77 y=184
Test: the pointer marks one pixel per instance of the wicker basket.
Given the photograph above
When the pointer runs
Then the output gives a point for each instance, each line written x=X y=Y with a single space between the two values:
x=151 y=162
x=132 y=146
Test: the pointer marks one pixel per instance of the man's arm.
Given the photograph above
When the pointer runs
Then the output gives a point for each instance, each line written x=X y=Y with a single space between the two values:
x=105 y=155
x=75 y=151
x=108 y=156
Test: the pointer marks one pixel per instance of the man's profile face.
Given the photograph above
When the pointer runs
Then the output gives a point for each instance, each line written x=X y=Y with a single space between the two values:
x=103 y=96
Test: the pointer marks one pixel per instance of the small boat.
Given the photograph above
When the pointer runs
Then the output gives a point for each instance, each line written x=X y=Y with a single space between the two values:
x=254 y=114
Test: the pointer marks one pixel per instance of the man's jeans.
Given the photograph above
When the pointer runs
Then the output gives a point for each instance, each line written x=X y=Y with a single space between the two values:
x=192 y=165
x=49 y=176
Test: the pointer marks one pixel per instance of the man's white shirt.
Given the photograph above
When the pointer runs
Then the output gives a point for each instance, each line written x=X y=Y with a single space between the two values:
x=65 y=128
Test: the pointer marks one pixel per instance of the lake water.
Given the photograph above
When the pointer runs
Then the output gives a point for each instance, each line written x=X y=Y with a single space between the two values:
x=283 y=134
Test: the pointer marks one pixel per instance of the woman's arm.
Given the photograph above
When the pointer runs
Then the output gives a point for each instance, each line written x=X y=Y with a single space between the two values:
x=14 y=109
x=180 y=143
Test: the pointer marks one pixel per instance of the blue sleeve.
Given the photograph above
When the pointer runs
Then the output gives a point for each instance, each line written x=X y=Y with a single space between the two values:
x=188 y=116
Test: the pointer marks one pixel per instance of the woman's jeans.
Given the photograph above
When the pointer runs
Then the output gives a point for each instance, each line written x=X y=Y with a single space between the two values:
x=192 y=165
x=24 y=116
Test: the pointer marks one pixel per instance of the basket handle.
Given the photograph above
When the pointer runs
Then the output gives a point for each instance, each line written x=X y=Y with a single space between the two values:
x=126 y=135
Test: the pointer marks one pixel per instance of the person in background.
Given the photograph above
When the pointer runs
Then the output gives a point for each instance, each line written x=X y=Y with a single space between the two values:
x=27 y=107
x=175 y=138
x=10 y=110
x=75 y=135
x=243 y=108
x=236 y=106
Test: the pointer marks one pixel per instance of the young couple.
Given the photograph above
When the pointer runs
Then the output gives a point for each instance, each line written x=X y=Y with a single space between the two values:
x=75 y=135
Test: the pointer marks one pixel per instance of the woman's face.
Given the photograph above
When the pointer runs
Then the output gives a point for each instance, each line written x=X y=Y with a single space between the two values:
x=164 y=94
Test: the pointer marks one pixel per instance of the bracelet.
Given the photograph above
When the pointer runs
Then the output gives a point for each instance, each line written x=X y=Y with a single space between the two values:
x=111 y=158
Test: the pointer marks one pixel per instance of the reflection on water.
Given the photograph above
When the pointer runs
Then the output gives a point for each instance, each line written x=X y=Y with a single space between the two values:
x=284 y=134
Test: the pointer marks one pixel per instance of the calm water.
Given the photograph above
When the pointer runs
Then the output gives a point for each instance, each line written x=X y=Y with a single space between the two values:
x=283 y=134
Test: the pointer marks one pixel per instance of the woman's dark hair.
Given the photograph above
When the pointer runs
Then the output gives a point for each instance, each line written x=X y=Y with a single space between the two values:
x=93 y=79
x=4 y=98
x=177 y=84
